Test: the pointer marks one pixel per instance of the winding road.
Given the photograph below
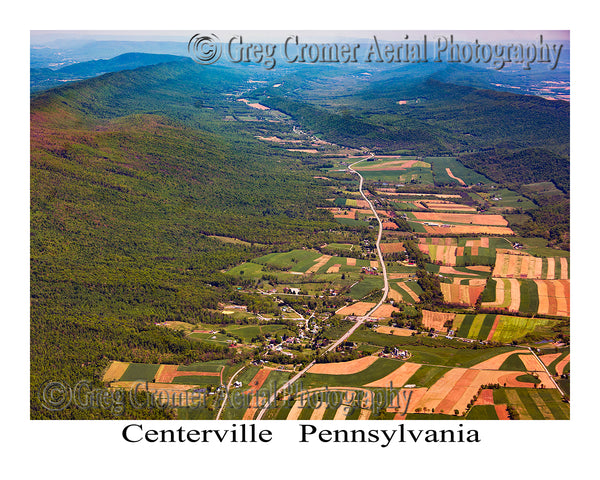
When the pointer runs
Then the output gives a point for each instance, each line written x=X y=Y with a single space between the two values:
x=227 y=393
x=360 y=320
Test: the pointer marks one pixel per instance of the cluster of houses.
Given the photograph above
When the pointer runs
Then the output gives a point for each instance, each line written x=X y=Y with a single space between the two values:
x=396 y=353
x=370 y=270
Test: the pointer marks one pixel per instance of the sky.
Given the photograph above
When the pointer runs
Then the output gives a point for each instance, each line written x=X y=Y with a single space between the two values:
x=42 y=37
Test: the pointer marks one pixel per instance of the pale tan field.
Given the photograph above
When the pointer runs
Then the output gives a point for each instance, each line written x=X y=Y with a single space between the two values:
x=401 y=332
x=494 y=363
x=451 y=175
x=115 y=371
x=359 y=309
x=343 y=368
x=398 y=377
x=436 y=320
x=384 y=311
x=560 y=366
x=549 y=358
x=394 y=295
x=407 y=289
x=531 y=363
x=319 y=262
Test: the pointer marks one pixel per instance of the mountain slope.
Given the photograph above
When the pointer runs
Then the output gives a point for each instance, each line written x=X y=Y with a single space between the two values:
x=43 y=78
x=126 y=186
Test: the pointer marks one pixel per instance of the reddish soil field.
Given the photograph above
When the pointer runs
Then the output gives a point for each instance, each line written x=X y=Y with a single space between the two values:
x=165 y=373
x=486 y=397
x=510 y=380
x=549 y=358
x=257 y=381
x=501 y=412
x=493 y=330
x=464 y=218
x=468 y=230
x=463 y=383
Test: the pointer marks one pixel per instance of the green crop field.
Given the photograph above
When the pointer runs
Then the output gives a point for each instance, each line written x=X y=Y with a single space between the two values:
x=288 y=260
x=425 y=350
x=363 y=288
x=216 y=338
x=511 y=328
x=431 y=416
x=509 y=199
x=406 y=298
x=513 y=363
x=247 y=270
x=139 y=371
x=344 y=247
x=534 y=403
x=246 y=333
x=465 y=326
x=529 y=296
x=469 y=176
x=426 y=376
x=508 y=328
x=215 y=366
x=246 y=375
x=482 y=412
x=485 y=256
x=275 y=380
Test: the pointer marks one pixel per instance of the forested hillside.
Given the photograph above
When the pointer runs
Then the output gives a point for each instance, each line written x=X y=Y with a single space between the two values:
x=122 y=203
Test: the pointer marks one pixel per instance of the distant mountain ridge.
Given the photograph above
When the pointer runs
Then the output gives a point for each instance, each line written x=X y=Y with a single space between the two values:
x=43 y=78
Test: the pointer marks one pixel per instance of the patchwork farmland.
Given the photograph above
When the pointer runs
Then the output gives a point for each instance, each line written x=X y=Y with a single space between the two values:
x=449 y=338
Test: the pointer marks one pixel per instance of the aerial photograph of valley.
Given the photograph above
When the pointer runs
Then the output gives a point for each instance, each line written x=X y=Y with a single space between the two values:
x=300 y=226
